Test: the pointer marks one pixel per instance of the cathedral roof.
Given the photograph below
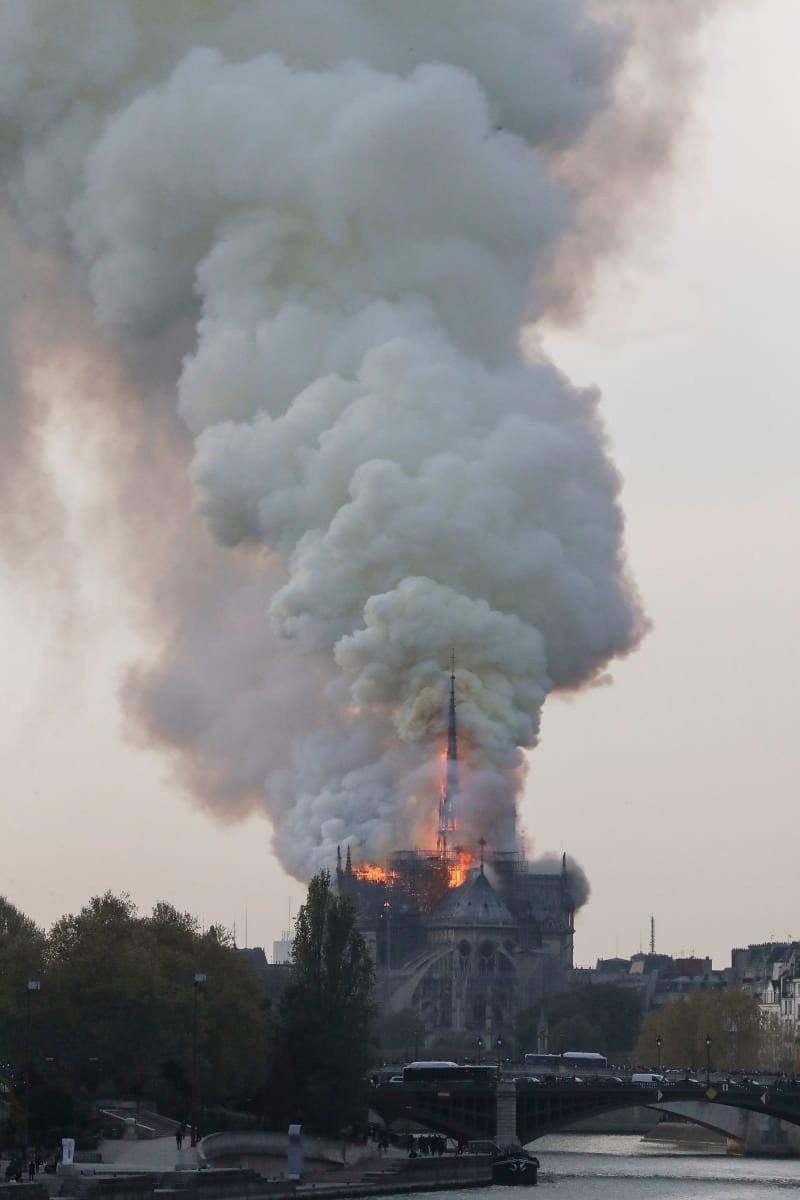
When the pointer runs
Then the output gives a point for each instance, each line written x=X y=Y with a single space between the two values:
x=474 y=903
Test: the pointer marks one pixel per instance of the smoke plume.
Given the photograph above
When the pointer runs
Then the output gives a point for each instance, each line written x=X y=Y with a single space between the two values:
x=318 y=228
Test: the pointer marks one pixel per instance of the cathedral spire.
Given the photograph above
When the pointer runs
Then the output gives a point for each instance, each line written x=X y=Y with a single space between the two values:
x=449 y=790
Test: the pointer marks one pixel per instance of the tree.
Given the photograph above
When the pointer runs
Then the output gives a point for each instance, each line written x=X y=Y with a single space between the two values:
x=323 y=1045
x=600 y=1017
x=22 y=946
x=576 y=1033
x=401 y=1033
x=730 y=1017
x=115 y=1013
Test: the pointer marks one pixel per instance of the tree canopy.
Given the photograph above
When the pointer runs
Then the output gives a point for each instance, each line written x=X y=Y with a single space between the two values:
x=601 y=1017
x=730 y=1017
x=324 y=1044
x=115 y=1009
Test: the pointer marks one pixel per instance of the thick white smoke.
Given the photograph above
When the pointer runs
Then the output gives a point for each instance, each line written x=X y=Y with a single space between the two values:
x=358 y=203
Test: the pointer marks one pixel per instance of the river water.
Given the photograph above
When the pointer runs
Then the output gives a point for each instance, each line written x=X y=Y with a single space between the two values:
x=611 y=1167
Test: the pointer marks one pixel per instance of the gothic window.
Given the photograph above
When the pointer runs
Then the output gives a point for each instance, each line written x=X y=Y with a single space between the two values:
x=486 y=958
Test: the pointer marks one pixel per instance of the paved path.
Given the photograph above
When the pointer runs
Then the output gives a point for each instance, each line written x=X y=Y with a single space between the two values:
x=156 y=1154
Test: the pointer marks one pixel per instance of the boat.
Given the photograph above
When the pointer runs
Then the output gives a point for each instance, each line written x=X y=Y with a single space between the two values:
x=515 y=1166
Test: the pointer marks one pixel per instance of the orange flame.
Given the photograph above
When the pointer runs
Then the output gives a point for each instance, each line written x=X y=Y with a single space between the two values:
x=372 y=874
x=458 y=868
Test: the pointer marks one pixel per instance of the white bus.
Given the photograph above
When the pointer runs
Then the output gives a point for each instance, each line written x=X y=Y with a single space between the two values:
x=583 y=1060
x=587 y=1060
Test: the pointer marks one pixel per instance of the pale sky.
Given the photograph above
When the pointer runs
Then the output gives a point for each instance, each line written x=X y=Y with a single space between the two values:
x=675 y=786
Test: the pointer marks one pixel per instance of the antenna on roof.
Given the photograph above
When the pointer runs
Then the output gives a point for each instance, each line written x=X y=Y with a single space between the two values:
x=652 y=935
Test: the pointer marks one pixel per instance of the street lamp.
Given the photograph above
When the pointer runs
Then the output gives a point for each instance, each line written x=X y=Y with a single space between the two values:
x=199 y=980
x=33 y=985
x=479 y=1048
x=387 y=916
x=659 y=1044
x=708 y=1059
x=499 y=1044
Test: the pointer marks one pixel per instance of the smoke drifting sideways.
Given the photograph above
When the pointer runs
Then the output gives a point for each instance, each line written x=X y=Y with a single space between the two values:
x=338 y=217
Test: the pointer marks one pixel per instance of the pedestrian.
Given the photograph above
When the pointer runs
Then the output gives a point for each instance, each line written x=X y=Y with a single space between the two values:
x=179 y=1138
x=32 y=1169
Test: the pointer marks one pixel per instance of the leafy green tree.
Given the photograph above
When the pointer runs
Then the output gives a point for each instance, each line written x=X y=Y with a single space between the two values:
x=401 y=1033
x=730 y=1017
x=324 y=1044
x=22 y=946
x=600 y=1017
x=116 y=1009
x=54 y=1114
x=576 y=1033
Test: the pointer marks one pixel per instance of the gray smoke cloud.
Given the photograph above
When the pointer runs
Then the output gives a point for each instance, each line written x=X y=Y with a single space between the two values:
x=320 y=228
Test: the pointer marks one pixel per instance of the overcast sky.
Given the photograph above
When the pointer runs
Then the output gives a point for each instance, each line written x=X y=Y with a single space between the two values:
x=675 y=786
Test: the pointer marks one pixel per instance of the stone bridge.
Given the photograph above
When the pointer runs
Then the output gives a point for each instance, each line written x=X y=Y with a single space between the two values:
x=516 y=1109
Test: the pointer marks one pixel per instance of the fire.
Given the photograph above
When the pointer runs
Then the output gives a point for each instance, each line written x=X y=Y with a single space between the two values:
x=372 y=874
x=458 y=867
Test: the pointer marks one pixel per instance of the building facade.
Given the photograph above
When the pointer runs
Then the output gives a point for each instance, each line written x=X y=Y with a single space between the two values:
x=464 y=959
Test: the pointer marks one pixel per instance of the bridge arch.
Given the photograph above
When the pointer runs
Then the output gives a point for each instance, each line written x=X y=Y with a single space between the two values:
x=732 y=1122
x=472 y=1111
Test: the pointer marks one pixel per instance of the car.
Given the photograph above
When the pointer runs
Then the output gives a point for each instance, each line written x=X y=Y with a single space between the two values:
x=396 y=1079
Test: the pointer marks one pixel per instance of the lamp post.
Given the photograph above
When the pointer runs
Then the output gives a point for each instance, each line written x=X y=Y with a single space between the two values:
x=499 y=1044
x=659 y=1044
x=479 y=1048
x=387 y=916
x=708 y=1059
x=33 y=985
x=199 y=980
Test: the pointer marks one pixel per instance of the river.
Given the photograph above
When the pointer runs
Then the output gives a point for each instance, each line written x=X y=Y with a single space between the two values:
x=611 y=1167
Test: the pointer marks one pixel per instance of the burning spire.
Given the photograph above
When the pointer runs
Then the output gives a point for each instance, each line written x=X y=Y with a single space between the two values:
x=449 y=791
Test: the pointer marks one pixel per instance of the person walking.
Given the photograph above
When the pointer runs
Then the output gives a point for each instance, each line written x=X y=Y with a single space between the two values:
x=179 y=1137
